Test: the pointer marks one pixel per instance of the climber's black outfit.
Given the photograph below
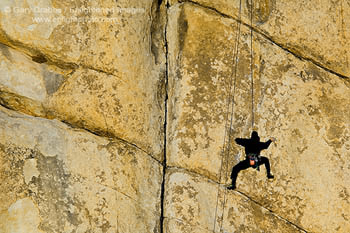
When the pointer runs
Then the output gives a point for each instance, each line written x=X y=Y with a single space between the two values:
x=253 y=146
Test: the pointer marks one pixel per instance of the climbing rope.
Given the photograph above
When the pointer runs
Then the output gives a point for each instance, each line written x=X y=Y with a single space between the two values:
x=227 y=115
x=232 y=107
x=251 y=61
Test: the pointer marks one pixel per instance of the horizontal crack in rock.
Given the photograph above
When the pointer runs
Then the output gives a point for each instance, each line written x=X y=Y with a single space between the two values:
x=97 y=134
x=259 y=204
x=289 y=50
x=113 y=137
x=241 y=193
x=39 y=57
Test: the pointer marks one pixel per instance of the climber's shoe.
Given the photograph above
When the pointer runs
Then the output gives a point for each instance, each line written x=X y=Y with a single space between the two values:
x=231 y=187
x=269 y=176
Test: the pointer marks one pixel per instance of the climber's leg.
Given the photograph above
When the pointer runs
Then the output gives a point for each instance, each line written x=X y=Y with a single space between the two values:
x=264 y=160
x=236 y=169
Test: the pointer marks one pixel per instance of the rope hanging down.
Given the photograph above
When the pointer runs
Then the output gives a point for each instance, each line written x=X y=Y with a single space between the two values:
x=228 y=107
x=252 y=105
x=232 y=108
x=251 y=61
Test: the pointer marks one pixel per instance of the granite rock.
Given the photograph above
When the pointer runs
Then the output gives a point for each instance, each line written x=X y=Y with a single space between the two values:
x=301 y=104
x=61 y=179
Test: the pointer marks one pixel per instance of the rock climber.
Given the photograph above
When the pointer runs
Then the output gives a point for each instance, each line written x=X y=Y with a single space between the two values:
x=252 y=146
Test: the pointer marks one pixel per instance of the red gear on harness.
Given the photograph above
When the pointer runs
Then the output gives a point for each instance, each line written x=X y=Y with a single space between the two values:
x=252 y=162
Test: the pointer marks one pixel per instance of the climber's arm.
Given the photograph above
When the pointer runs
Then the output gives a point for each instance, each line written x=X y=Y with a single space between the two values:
x=266 y=144
x=241 y=141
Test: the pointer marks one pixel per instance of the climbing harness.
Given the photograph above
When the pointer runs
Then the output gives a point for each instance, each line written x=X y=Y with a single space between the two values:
x=255 y=158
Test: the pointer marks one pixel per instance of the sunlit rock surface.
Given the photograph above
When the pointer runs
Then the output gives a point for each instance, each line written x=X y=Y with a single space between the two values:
x=120 y=41
x=58 y=179
x=196 y=204
x=25 y=85
x=316 y=30
x=128 y=125
x=299 y=103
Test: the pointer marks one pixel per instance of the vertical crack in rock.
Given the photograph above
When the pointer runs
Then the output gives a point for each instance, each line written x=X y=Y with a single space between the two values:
x=162 y=195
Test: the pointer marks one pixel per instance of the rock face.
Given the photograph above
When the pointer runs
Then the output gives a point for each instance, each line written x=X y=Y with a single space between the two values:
x=189 y=209
x=72 y=181
x=301 y=104
x=120 y=116
x=25 y=85
x=303 y=27
x=119 y=44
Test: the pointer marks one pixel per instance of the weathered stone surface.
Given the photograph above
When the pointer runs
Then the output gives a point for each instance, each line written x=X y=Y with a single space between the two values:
x=126 y=48
x=317 y=30
x=201 y=89
x=24 y=84
x=105 y=103
x=307 y=109
x=95 y=34
x=302 y=105
x=109 y=78
x=21 y=75
x=73 y=180
x=88 y=99
x=22 y=216
x=200 y=71
x=190 y=206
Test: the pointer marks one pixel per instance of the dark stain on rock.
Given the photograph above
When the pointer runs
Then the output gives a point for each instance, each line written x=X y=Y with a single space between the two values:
x=182 y=29
x=54 y=202
x=296 y=133
x=5 y=51
x=157 y=31
x=314 y=73
x=261 y=67
x=208 y=83
x=261 y=10
x=103 y=224
x=313 y=110
x=179 y=190
x=284 y=67
x=344 y=195
x=53 y=81
x=186 y=148
x=12 y=185
x=161 y=90
x=91 y=82
x=40 y=58
x=301 y=149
